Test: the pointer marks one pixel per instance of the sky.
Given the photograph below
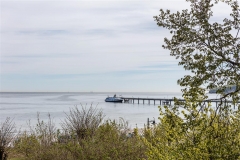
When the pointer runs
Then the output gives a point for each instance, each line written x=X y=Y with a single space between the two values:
x=87 y=46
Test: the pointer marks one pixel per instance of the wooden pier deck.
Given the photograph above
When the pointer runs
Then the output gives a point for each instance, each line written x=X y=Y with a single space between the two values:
x=162 y=101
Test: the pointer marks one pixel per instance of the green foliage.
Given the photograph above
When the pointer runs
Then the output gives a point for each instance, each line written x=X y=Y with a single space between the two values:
x=109 y=143
x=7 y=129
x=198 y=134
x=194 y=129
x=210 y=50
x=27 y=145
x=110 y=140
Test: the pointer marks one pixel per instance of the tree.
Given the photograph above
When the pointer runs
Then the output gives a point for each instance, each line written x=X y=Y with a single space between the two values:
x=208 y=49
x=7 y=129
x=194 y=129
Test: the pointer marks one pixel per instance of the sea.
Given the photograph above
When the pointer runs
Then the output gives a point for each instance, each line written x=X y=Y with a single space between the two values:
x=23 y=107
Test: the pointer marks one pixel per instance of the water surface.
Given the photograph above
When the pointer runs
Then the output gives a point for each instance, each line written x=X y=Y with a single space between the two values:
x=25 y=106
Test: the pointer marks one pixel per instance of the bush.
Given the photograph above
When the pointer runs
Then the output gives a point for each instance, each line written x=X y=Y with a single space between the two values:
x=100 y=140
x=7 y=129
x=83 y=122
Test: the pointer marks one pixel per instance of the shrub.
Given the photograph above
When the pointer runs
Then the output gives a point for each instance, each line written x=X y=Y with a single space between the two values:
x=7 y=129
x=83 y=122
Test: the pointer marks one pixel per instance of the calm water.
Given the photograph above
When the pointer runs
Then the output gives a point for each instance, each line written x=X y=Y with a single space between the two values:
x=24 y=106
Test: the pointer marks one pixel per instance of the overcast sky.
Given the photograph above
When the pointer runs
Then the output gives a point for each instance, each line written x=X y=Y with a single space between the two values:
x=85 y=46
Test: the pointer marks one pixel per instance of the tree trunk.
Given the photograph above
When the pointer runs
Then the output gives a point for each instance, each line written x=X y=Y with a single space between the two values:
x=3 y=155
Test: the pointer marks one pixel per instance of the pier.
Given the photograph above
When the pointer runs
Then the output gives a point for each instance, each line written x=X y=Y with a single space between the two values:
x=147 y=100
x=164 y=101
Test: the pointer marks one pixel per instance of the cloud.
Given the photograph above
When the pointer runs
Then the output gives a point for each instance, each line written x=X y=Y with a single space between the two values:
x=43 y=32
x=57 y=43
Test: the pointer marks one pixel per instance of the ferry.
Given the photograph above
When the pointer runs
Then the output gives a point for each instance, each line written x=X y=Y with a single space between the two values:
x=114 y=99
